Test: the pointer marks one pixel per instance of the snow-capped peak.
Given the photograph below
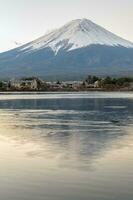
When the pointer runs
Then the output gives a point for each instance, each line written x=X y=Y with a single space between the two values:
x=77 y=34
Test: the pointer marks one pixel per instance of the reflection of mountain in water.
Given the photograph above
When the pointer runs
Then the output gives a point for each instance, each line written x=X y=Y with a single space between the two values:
x=75 y=131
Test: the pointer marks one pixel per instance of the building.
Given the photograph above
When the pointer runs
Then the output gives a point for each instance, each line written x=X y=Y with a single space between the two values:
x=97 y=84
x=24 y=84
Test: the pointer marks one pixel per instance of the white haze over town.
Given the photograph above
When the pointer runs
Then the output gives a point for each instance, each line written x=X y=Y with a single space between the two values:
x=24 y=21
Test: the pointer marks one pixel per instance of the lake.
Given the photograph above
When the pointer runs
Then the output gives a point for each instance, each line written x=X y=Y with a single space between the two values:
x=66 y=146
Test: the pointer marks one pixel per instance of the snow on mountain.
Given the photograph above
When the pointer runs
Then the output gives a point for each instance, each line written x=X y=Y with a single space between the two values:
x=77 y=34
x=70 y=53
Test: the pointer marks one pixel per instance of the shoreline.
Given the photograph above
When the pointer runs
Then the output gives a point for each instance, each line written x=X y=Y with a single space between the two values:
x=62 y=91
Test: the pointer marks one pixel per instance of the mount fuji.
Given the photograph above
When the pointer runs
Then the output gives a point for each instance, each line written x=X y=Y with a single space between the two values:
x=71 y=52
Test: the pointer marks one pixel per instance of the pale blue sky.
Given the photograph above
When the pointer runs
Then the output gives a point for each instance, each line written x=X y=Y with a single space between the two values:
x=25 y=20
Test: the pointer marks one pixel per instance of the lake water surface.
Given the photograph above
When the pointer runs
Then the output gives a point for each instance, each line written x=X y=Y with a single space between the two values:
x=66 y=146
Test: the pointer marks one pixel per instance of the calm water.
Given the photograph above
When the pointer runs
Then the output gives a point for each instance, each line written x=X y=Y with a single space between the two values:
x=65 y=146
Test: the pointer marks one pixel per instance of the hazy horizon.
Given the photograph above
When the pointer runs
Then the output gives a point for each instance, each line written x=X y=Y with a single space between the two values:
x=24 y=21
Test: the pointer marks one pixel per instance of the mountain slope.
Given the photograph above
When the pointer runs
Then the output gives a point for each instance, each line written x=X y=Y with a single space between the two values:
x=77 y=34
x=70 y=52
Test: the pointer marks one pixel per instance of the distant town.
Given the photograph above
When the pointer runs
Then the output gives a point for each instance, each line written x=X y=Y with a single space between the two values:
x=91 y=83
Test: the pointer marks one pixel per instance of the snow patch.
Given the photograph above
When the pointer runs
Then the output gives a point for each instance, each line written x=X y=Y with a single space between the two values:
x=77 y=34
